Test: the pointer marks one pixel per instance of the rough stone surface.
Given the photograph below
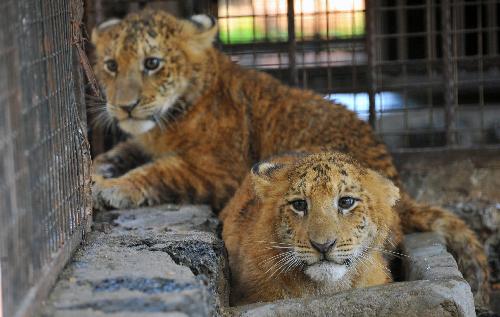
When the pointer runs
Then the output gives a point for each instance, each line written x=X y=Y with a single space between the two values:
x=427 y=258
x=164 y=261
x=169 y=261
x=405 y=299
x=435 y=287
x=466 y=182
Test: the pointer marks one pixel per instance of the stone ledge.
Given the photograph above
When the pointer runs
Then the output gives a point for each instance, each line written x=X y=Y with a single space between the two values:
x=403 y=299
x=434 y=287
x=169 y=261
x=428 y=259
x=164 y=261
x=466 y=182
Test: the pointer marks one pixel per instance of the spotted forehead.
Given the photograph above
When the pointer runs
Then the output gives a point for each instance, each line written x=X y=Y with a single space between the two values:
x=148 y=29
x=328 y=174
x=152 y=24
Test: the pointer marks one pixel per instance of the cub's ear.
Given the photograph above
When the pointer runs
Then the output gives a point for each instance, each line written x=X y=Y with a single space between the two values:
x=203 y=31
x=97 y=31
x=263 y=175
x=384 y=188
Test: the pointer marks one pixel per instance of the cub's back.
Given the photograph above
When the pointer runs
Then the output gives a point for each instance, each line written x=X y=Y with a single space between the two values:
x=287 y=119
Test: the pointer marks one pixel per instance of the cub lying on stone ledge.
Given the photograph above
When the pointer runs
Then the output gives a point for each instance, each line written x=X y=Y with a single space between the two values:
x=198 y=122
x=309 y=225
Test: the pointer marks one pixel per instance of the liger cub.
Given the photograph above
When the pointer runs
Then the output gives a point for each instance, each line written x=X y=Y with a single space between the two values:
x=197 y=123
x=309 y=225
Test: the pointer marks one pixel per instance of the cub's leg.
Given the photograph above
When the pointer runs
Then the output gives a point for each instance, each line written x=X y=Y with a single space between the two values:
x=119 y=160
x=165 y=180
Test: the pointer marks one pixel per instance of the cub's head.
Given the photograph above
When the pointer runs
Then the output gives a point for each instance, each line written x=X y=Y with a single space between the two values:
x=147 y=61
x=326 y=212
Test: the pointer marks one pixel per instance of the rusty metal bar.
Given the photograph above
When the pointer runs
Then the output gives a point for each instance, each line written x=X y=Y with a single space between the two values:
x=371 y=49
x=430 y=54
x=448 y=73
x=403 y=41
x=292 y=44
x=492 y=22
x=480 y=70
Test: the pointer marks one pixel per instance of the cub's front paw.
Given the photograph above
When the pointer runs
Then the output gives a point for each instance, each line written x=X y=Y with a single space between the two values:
x=108 y=166
x=106 y=170
x=115 y=193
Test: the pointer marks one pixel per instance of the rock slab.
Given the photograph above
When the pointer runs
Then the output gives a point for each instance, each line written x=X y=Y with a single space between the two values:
x=169 y=261
x=161 y=261
x=464 y=181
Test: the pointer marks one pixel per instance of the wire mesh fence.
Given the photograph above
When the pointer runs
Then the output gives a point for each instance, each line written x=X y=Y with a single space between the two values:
x=44 y=176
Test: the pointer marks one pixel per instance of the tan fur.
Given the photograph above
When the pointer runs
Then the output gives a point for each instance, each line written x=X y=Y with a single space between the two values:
x=269 y=243
x=202 y=121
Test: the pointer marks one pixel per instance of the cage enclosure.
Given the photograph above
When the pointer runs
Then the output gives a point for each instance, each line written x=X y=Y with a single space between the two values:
x=425 y=74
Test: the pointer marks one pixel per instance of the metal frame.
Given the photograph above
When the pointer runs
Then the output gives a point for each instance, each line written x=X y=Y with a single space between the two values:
x=392 y=63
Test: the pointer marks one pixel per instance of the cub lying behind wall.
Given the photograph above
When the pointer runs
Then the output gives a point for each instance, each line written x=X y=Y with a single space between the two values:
x=198 y=122
x=309 y=225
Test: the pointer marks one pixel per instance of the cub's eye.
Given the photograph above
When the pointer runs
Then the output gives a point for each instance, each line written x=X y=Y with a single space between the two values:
x=299 y=205
x=152 y=63
x=111 y=65
x=346 y=203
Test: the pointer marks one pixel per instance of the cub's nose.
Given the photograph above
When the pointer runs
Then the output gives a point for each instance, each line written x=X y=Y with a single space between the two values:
x=128 y=108
x=323 y=247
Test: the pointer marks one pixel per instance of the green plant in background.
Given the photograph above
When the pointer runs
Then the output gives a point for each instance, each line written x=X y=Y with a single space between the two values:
x=244 y=30
x=240 y=30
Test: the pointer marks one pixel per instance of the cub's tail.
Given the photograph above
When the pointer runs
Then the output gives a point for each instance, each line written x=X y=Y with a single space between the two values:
x=460 y=240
